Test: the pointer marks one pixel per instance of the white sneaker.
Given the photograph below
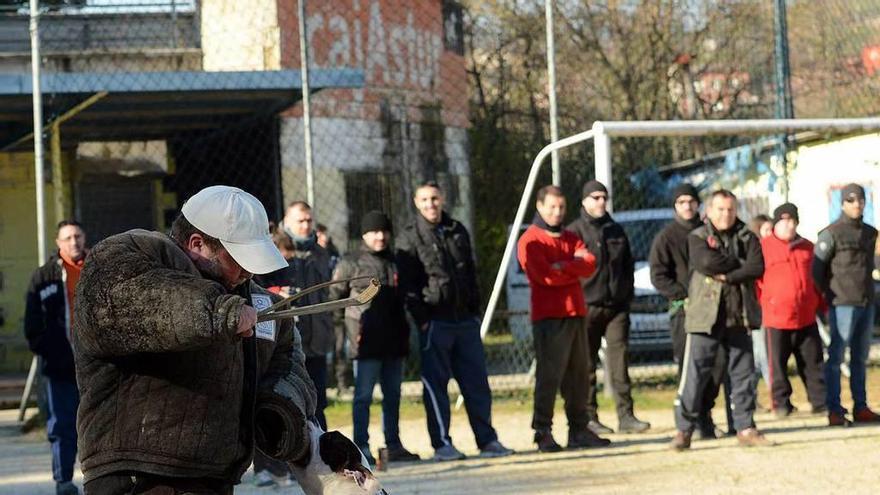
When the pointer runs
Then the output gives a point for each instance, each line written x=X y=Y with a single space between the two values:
x=448 y=453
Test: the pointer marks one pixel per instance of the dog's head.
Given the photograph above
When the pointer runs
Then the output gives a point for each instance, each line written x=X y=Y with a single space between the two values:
x=338 y=468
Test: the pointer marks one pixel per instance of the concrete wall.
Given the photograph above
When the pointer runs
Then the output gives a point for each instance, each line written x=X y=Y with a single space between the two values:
x=239 y=35
x=18 y=252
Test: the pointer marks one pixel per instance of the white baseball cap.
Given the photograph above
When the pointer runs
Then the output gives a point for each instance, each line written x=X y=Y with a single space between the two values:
x=239 y=221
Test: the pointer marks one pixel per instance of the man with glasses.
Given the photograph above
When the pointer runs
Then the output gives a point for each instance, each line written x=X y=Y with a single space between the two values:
x=608 y=294
x=843 y=260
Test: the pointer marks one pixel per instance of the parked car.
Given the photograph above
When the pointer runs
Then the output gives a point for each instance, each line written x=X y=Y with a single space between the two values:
x=649 y=319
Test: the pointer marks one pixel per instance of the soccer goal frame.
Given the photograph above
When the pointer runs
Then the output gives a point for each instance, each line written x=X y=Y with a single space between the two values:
x=601 y=134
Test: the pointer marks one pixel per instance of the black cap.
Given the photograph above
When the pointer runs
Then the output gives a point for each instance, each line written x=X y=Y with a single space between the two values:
x=685 y=189
x=852 y=191
x=375 y=220
x=786 y=209
x=593 y=186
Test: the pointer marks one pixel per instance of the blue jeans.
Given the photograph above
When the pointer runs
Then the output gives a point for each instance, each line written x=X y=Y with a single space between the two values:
x=62 y=397
x=389 y=374
x=850 y=326
x=453 y=349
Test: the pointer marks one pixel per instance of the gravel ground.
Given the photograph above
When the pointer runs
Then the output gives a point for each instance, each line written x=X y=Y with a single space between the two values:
x=810 y=458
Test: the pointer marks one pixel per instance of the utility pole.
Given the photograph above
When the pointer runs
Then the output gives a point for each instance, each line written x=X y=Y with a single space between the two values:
x=784 y=108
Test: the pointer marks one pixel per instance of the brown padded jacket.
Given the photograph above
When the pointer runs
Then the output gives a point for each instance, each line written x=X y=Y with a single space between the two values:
x=167 y=388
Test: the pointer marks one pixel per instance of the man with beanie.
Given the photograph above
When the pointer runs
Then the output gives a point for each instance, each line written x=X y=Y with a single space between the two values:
x=725 y=260
x=670 y=275
x=608 y=294
x=439 y=280
x=48 y=316
x=179 y=382
x=554 y=261
x=789 y=302
x=309 y=266
x=842 y=264
x=377 y=333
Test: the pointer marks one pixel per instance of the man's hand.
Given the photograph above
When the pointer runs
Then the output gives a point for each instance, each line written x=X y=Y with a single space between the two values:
x=247 y=318
x=720 y=277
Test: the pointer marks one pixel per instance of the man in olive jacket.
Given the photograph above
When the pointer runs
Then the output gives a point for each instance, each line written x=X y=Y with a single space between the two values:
x=179 y=382
x=725 y=261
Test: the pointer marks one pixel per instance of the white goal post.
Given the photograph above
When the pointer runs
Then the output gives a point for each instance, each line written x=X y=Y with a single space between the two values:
x=601 y=134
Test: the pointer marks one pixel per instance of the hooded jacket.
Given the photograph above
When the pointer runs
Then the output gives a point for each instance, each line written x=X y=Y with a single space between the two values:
x=789 y=298
x=167 y=388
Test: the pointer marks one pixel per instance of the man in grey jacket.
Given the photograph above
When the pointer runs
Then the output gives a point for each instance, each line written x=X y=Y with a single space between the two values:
x=179 y=382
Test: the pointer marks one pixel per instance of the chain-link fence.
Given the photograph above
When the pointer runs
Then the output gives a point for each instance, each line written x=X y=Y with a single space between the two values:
x=148 y=101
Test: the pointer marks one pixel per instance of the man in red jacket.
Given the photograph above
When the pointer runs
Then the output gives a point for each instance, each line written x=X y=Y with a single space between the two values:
x=554 y=261
x=789 y=302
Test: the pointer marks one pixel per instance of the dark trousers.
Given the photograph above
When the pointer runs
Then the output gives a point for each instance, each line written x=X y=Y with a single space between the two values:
x=561 y=354
x=343 y=355
x=316 y=367
x=717 y=377
x=806 y=345
x=148 y=484
x=700 y=356
x=453 y=349
x=613 y=324
x=62 y=400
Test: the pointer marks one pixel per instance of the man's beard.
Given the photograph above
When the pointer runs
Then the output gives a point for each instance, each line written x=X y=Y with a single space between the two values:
x=210 y=268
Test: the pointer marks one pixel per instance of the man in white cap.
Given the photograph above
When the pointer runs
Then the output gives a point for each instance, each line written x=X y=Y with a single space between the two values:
x=179 y=382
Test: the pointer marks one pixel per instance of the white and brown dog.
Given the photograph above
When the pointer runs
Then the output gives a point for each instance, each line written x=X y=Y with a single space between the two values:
x=335 y=466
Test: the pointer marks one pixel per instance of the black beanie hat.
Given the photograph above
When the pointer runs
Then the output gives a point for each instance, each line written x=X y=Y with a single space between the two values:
x=375 y=220
x=593 y=186
x=852 y=189
x=685 y=189
x=786 y=209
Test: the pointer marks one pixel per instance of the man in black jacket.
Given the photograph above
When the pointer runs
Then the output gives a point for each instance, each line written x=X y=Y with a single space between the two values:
x=179 y=382
x=842 y=264
x=438 y=277
x=377 y=333
x=608 y=294
x=670 y=275
x=310 y=265
x=47 y=324
x=725 y=261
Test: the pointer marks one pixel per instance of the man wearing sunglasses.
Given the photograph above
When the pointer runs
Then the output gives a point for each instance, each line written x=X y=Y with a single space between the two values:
x=843 y=260
x=608 y=294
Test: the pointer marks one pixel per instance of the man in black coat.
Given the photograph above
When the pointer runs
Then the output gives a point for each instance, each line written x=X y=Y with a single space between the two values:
x=47 y=326
x=377 y=333
x=608 y=294
x=670 y=275
x=439 y=280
